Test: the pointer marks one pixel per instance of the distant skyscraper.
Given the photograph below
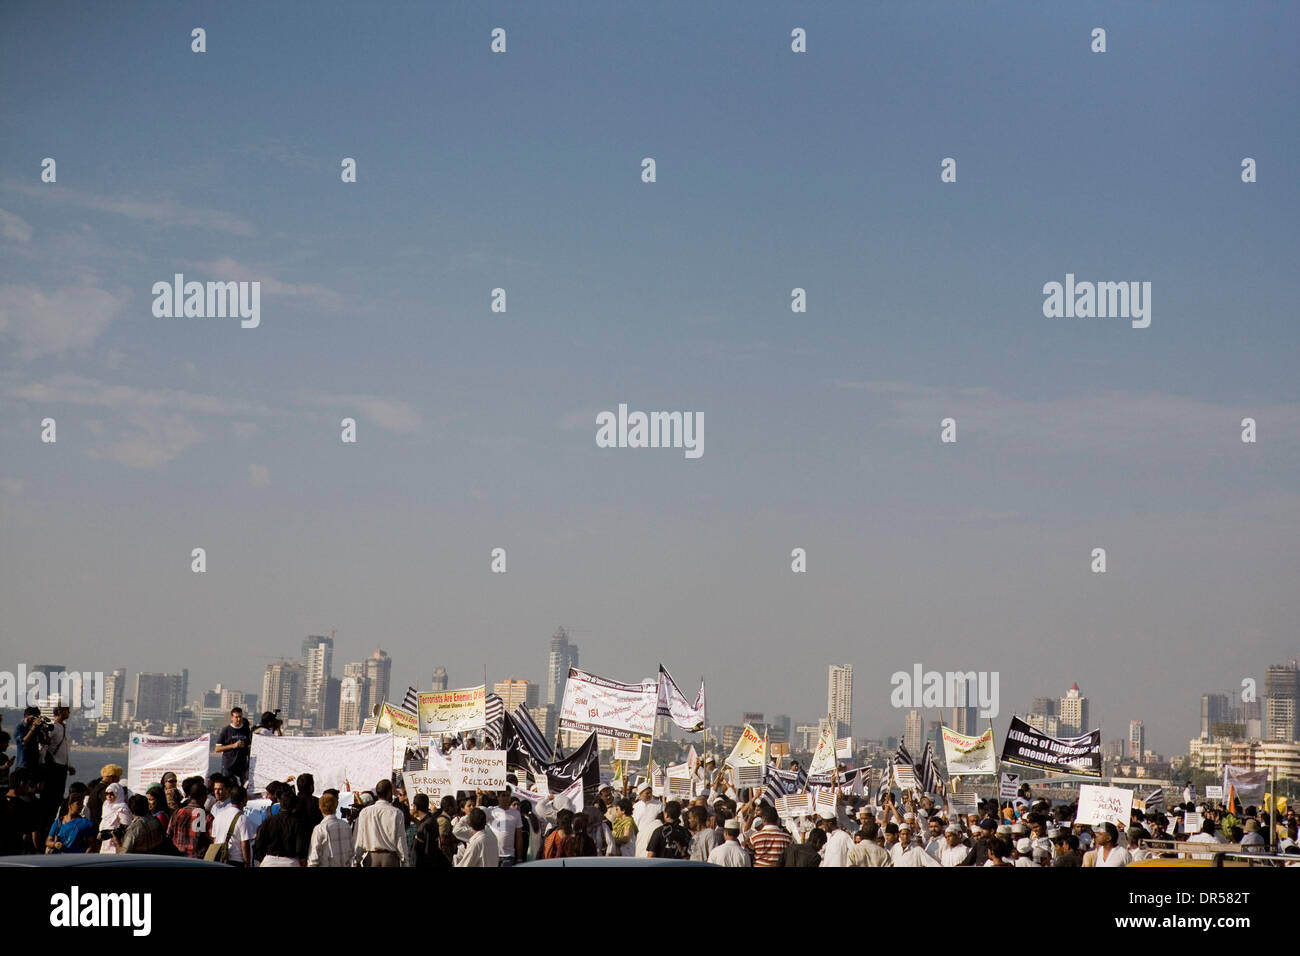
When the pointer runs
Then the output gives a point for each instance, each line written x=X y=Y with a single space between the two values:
x=1137 y=740
x=546 y=717
x=160 y=696
x=329 y=714
x=965 y=720
x=779 y=729
x=1282 y=694
x=1072 y=713
x=1043 y=705
x=317 y=660
x=516 y=692
x=352 y=697
x=440 y=678
x=378 y=668
x=114 y=694
x=282 y=685
x=839 y=698
x=563 y=655
x=1214 y=710
x=914 y=733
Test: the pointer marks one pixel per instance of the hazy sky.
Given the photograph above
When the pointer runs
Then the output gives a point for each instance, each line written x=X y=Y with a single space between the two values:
x=476 y=429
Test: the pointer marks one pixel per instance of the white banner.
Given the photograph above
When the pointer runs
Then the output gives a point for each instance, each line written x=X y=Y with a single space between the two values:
x=339 y=762
x=823 y=759
x=597 y=705
x=479 y=769
x=1104 y=805
x=149 y=757
x=673 y=703
x=969 y=754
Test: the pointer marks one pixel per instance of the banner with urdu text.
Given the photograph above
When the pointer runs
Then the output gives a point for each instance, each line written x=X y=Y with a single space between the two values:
x=601 y=706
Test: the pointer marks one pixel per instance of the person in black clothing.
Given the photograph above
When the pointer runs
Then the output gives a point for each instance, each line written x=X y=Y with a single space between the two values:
x=282 y=834
x=21 y=824
x=233 y=744
x=807 y=853
x=979 y=851
x=308 y=805
x=428 y=851
x=672 y=841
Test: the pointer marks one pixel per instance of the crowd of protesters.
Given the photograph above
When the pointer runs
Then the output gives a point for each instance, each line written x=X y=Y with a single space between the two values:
x=290 y=824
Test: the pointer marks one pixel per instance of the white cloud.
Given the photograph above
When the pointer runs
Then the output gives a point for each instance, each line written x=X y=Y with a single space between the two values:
x=259 y=476
x=389 y=414
x=162 y=212
x=15 y=227
x=151 y=443
x=55 y=322
x=77 y=390
x=226 y=268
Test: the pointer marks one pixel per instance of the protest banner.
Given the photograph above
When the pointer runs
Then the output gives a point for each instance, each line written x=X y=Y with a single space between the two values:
x=799 y=804
x=339 y=762
x=1008 y=785
x=601 y=706
x=1244 y=784
x=435 y=783
x=398 y=722
x=969 y=755
x=1214 y=792
x=823 y=759
x=747 y=775
x=479 y=769
x=674 y=705
x=1192 y=823
x=963 y=804
x=1026 y=746
x=148 y=757
x=844 y=748
x=904 y=776
x=824 y=800
x=453 y=711
x=571 y=798
x=782 y=804
x=1099 y=804
x=748 y=751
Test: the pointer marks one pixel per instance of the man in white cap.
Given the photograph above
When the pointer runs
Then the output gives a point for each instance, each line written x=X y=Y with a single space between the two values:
x=907 y=853
x=954 y=852
x=838 y=842
x=935 y=844
x=645 y=815
x=730 y=853
x=1024 y=855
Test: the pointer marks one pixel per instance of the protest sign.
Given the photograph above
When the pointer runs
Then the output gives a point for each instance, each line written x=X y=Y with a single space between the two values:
x=1214 y=792
x=479 y=769
x=1008 y=785
x=1104 y=805
x=823 y=759
x=673 y=704
x=398 y=722
x=436 y=783
x=148 y=757
x=904 y=776
x=779 y=750
x=627 y=749
x=599 y=705
x=748 y=751
x=1026 y=746
x=339 y=762
x=747 y=775
x=963 y=804
x=1192 y=823
x=453 y=711
x=799 y=804
x=969 y=755
x=844 y=748
x=824 y=800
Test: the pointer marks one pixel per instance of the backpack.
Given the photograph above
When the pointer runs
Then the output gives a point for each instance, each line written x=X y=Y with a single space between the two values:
x=220 y=852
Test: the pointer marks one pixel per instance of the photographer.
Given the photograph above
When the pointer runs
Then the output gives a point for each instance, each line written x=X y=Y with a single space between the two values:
x=58 y=752
x=31 y=738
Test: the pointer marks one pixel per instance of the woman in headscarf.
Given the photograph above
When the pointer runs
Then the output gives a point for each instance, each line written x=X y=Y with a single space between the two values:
x=114 y=818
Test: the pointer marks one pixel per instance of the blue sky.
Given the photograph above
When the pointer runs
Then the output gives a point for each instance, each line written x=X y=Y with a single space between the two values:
x=775 y=170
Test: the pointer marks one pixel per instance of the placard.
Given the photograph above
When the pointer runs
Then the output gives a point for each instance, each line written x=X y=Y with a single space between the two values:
x=1192 y=823
x=148 y=757
x=1008 y=785
x=1099 y=804
x=799 y=804
x=479 y=769
x=1214 y=792
x=747 y=775
x=397 y=721
x=825 y=800
x=844 y=748
x=904 y=776
x=598 y=705
x=453 y=711
x=627 y=748
x=963 y=804
x=436 y=783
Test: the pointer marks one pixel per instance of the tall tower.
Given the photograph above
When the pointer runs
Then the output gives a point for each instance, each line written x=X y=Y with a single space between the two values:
x=440 y=678
x=352 y=697
x=1137 y=740
x=839 y=698
x=563 y=655
x=378 y=668
x=1073 y=712
x=914 y=733
x=318 y=662
x=1282 y=694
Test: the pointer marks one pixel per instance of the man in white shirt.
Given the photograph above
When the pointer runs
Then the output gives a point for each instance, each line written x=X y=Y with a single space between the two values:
x=1208 y=834
x=838 y=842
x=243 y=831
x=934 y=846
x=730 y=853
x=954 y=852
x=906 y=853
x=1108 y=854
x=506 y=824
x=480 y=848
x=647 y=808
x=381 y=830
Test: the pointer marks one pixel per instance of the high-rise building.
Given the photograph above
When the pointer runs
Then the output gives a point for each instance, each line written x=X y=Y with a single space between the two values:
x=329 y=713
x=1072 y=713
x=114 y=694
x=1043 y=722
x=546 y=717
x=1214 y=710
x=839 y=698
x=318 y=662
x=160 y=696
x=516 y=692
x=914 y=733
x=282 y=685
x=779 y=729
x=1137 y=740
x=378 y=668
x=563 y=655
x=230 y=699
x=440 y=678
x=1282 y=693
x=965 y=720
x=1043 y=705
x=352 y=697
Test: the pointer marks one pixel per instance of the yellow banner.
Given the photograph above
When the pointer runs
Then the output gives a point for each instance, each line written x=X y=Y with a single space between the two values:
x=398 y=722
x=453 y=711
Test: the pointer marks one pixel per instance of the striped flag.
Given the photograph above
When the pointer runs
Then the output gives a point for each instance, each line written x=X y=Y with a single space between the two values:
x=883 y=791
x=411 y=701
x=531 y=734
x=1155 y=800
x=494 y=707
x=929 y=776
